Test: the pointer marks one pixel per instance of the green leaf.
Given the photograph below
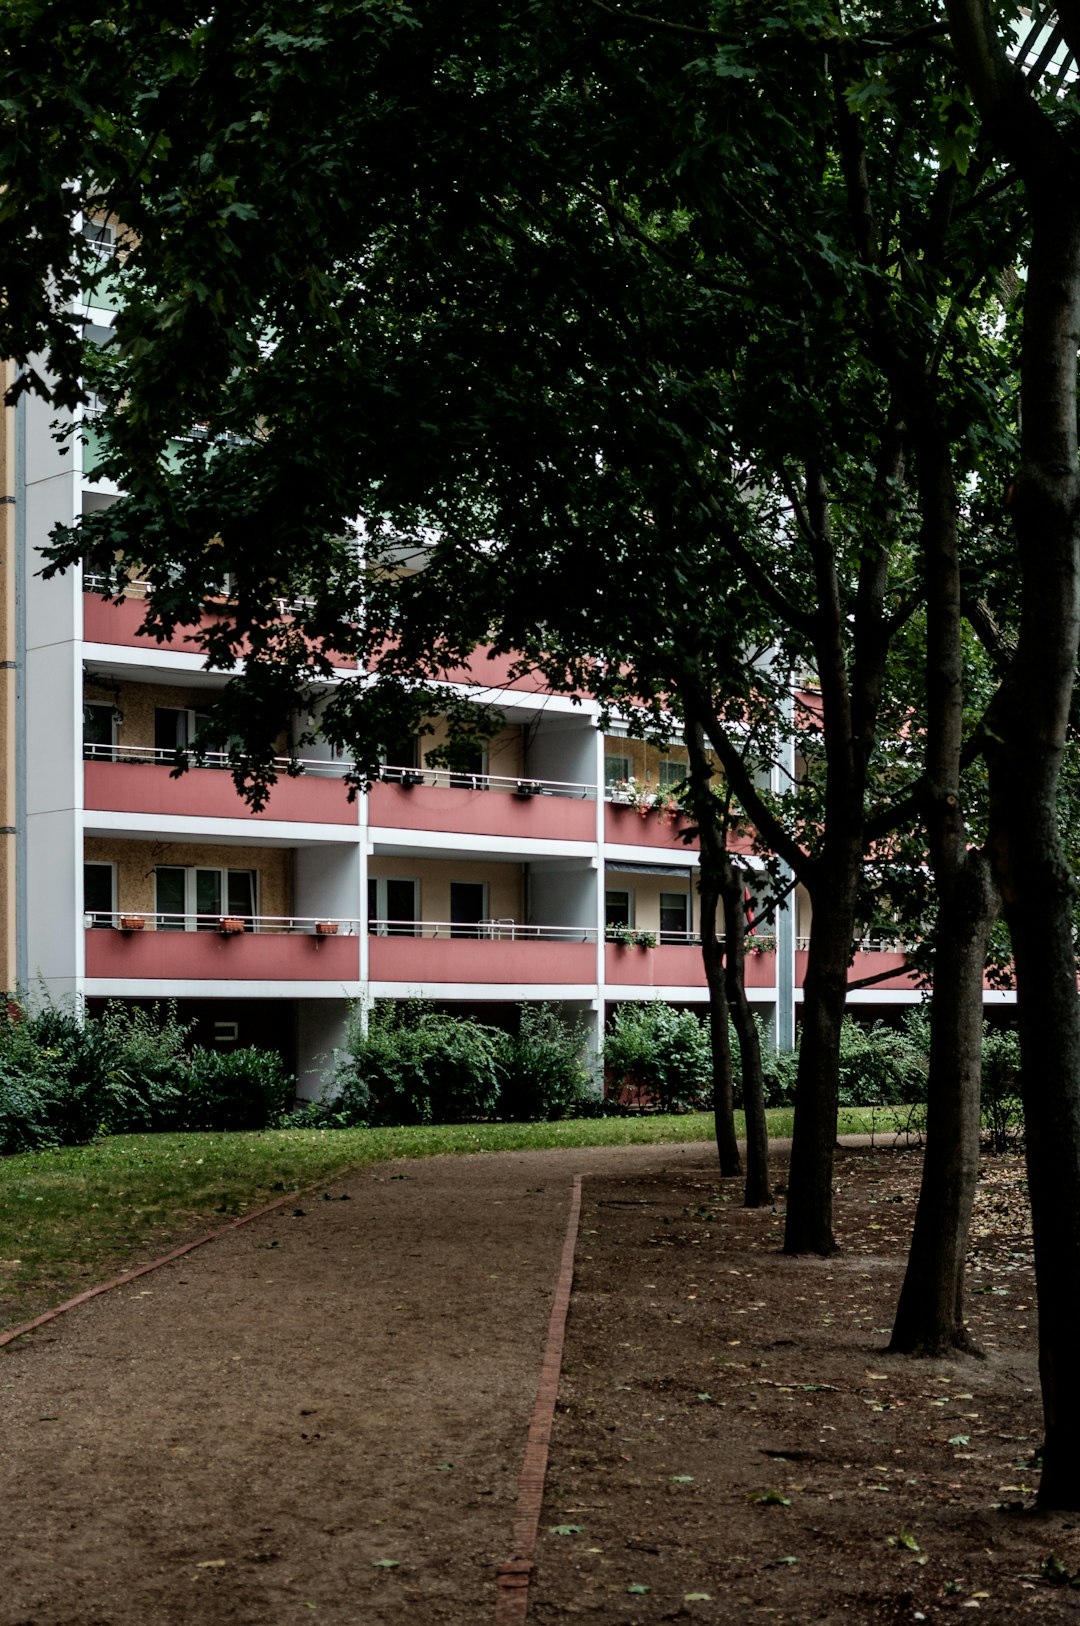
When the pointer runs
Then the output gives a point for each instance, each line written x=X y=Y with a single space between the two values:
x=769 y=1498
x=904 y=1538
x=960 y=1439
x=682 y=1479
x=635 y=1586
x=697 y=1597
x=444 y=1467
x=385 y=1563
x=566 y=1529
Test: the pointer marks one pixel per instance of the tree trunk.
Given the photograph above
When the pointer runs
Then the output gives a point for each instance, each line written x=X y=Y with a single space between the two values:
x=930 y=1313
x=723 y=1094
x=808 y=1227
x=758 y=1193
x=710 y=816
x=1024 y=756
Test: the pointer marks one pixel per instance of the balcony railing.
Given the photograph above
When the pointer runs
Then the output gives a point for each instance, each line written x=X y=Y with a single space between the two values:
x=137 y=920
x=519 y=785
x=317 y=767
x=502 y=931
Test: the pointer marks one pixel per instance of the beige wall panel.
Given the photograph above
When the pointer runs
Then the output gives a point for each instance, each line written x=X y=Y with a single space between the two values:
x=646 y=890
x=504 y=883
x=136 y=860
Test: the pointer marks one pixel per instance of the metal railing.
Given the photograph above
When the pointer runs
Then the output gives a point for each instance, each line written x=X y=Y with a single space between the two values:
x=502 y=930
x=518 y=784
x=228 y=925
x=312 y=767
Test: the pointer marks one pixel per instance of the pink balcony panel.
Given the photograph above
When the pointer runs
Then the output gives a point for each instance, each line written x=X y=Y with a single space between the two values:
x=483 y=813
x=108 y=623
x=626 y=827
x=868 y=964
x=412 y=960
x=209 y=793
x=211 y=957
x=676 y=965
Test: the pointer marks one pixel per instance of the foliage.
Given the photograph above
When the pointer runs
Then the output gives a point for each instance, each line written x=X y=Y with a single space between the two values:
x=64 y=1081
x=542 y=1069
x=236 y=1089
x=149 y=1048
x=657 y=1057
x=1001 y=1109
x=879 y=1065
x=414 y=1065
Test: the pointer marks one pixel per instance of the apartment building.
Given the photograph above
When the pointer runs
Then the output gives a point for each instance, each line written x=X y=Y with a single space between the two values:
x=551 y=869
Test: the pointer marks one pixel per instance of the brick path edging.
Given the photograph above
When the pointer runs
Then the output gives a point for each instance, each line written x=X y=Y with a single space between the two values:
x=143 y=1270
x=514 y=1574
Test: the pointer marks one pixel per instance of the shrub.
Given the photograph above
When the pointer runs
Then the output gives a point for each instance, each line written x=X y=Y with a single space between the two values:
x=149 y=1047
x=1001 y=1109
x=879 y=1065
x=414 y=1065
x=235 y=1089
x=657 y=1057
x=24 y=1112
x=541 y=1071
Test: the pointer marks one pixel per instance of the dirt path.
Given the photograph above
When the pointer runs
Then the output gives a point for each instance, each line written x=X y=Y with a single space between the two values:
x=245 y=1434
x=322 y=1415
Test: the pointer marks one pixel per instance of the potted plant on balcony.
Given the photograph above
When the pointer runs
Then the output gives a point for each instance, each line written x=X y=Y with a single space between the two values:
x=411 y=777
x=326 y=928
x=230 y=924
x=645 y=940
x=527 y=787
x=621 y=936
x=132 y=923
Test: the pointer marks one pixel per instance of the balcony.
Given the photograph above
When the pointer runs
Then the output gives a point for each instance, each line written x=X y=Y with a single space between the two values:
x=137 y=779
x=134 y=947
x=484 y=805
x=490 y=952
x=676 y=962
x=106 y=621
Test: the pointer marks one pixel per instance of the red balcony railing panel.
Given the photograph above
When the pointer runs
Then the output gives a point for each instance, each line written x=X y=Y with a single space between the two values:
x=209 y=793
x=483 y=813
x=626 y=827
x=676 y=965
x=411 y=960
x=212 y=957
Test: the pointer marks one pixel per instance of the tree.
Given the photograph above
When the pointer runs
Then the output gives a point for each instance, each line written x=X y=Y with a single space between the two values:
x=495 y=329
x=1029 y=721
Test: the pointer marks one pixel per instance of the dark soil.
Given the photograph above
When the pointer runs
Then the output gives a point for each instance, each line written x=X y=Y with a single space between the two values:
x=322 y=1415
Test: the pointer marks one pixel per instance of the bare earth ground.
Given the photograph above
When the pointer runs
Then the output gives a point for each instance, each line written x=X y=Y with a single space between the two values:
x=322 y=1415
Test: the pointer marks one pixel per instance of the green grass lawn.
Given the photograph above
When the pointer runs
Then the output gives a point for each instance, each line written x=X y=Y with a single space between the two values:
x=76 y=1216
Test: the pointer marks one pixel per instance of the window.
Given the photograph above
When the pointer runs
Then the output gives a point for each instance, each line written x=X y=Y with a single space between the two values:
x=468 y=907
x=672 y=773
x=196 y=899
x=403 y=753
x=175 y=727
x=674 y=917
x=99 y=730
x=616 y=768
x=99 y=894
x=393 y=907
x=618 y=908
x=100 y=237
x=471 y=769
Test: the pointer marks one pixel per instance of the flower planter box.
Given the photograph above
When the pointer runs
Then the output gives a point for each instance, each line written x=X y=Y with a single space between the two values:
x=228 y=925
x=132 y=923
x=326 y=928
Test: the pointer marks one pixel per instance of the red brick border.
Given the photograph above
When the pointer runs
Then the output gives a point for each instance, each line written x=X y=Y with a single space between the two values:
x=142 y=1270
x=512 y=1602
